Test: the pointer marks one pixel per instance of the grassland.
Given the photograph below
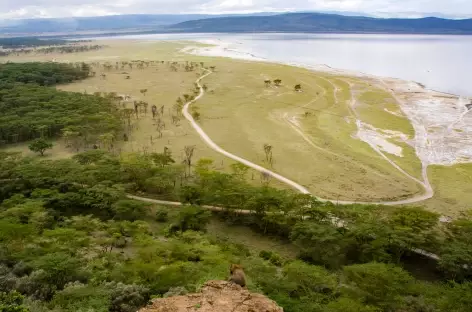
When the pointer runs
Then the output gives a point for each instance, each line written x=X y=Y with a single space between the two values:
x=313 y=132
x=452 y=187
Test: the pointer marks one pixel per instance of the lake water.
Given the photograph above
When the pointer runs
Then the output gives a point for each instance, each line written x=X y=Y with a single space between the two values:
x=441 y=63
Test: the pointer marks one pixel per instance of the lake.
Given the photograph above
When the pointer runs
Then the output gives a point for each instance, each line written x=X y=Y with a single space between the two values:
x=440 y=62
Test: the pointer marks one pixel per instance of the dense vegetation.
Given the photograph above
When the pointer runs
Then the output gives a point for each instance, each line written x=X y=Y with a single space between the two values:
x=70 y=240
x=69 y=48
x=44 y=74
x=23 y=42
x=30 y=109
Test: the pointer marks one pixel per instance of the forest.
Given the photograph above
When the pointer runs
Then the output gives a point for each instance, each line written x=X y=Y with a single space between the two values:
x=70 y=240
x=24 y=42
x=31 y=108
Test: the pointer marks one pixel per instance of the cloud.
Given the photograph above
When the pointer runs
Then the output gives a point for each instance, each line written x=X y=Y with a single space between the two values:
x=63 y=8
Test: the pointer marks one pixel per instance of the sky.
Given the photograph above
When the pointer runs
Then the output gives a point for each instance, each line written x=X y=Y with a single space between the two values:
x=14 y=9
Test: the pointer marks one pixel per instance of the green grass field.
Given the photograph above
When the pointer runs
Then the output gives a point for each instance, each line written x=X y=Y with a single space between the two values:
x=313 y=132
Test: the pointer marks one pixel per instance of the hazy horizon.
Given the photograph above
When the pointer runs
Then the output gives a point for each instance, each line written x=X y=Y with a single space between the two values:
x=26 y=9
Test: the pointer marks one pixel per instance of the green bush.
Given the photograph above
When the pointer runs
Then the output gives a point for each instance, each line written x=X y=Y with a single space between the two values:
x=192 y=218
x=162 y=215
x=12 y=302
x=272 y=257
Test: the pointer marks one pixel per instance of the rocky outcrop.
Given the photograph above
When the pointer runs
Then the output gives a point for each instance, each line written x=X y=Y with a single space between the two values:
x=215 y=296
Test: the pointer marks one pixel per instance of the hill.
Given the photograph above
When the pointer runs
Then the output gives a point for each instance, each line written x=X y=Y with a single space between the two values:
x=98 y=23
x=325 y=23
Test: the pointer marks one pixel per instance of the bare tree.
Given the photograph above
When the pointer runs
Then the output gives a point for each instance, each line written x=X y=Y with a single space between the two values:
x=265 y=178
x=160 y=125
x=189 y=149
x=175 y=120
x=127 y=113
x=268 y=154
x=106 y=140
x=145 y=105
x=154 y=111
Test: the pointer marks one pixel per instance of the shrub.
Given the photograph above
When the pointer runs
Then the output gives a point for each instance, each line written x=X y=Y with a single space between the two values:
x=162 y=215
x=192 y=218
x=127 y=298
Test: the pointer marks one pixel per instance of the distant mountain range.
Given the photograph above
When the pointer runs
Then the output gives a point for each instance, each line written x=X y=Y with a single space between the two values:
x=101 y=23
x=325 y=23
x=260 y=22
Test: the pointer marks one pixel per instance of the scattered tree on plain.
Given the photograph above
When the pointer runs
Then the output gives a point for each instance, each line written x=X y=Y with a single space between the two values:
x=40 y=146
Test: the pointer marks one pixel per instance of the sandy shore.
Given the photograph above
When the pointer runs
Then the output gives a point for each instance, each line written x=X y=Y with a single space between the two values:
x=442 y=121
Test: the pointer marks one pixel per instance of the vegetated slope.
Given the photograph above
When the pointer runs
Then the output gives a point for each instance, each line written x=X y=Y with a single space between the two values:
x=326 y=23
x=30 y=109
x=70 y=241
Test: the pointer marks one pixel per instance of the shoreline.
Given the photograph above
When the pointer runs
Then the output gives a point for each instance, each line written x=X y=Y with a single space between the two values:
x=220 y=48
x=434 y=142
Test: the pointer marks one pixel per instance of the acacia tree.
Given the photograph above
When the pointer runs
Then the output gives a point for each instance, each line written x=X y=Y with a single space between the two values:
x=72 y=138
x=127 y=113
x=267 y=83
x=277 y=82
x=160 y=125
x=143 y=91
x=40 y=146
x=175 y=120
x=268 y=154
x=106 y=140
x=154 y=111
x=145 y=105
x=298 y=88
x=189 y=149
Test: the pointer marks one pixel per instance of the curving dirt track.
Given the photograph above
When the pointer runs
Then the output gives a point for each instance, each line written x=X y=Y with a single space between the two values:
x=428 y=189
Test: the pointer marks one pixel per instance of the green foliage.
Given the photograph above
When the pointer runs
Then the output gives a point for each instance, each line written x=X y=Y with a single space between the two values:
x=30 y=111
x=20 y=42
x=40 y=146
x=70 y=240
x=272 y=257
x=192 y=218
x=90 y=157
x=456 y=251
x=130 y=210
x=349 y=305
x=378 y=284
x=302 y=279
x=60 y=268
x=81 y=297
x=162 y=215
x=127 y=298
x=12 y=302
x=43 y=74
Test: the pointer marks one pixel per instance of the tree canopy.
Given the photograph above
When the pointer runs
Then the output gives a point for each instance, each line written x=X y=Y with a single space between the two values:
x=31 y=110
x=71 y=240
